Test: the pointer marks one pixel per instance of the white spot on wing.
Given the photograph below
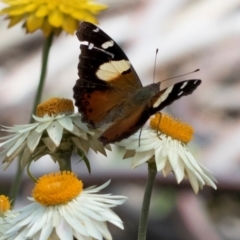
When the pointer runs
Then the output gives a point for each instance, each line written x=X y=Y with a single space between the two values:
x=112 y=69
x=162 y=97
x=96 y=30
x=90 y=46
x=180 y=93
x=121 y=66
x=184 y=85
x=108 y=44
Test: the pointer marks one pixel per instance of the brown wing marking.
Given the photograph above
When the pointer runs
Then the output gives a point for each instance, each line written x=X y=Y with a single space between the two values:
x=100 y=107
x=124 y=127
x=101 y=102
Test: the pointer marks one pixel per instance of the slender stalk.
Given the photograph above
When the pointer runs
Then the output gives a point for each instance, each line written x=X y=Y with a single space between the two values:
x=142 y=229
x=64 y=160
x=14 y=190
x=46 y=49
x=29 y=172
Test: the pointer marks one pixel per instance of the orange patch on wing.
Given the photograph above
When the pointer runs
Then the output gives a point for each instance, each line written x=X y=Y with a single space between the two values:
x=98 y=106
x=123 y=127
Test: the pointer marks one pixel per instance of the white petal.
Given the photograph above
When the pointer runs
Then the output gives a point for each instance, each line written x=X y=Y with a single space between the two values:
x=43 y=126
x=66 y=123
x=97 y=189
x=193 y=181
x=165 y=150
x=45 y=232
x=33 y=140
x=161 y=163
x=141 y=158
x=43 y=119
x=18 y=144
x=64 y=231
x=77 y=121
x=177 y=165
x=11 y=140
x=193 y=161
x=209 y=178
x=146 y=146
x=28 y=127
x=77 y=225
x=102 y=227
x=167 y=169
x=190 y=167
x=55 y=131
x=20 y=128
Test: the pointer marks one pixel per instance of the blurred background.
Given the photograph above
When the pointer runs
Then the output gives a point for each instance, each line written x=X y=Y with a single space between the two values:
x=189 y=34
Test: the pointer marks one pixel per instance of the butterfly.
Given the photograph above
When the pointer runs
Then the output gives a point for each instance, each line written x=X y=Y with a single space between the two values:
x=110 y=92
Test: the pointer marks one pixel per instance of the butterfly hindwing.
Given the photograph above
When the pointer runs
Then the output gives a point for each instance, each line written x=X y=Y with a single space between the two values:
x=124 y=126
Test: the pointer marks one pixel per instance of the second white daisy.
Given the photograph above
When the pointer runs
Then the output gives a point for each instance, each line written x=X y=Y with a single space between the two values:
x=165 y=143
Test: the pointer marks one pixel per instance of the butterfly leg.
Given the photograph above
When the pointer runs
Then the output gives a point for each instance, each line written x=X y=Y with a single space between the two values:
x=158 y=132
x=139 y=139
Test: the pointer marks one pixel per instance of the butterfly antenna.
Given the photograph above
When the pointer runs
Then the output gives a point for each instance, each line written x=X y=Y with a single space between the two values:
x=155 y=62
x=181 y=75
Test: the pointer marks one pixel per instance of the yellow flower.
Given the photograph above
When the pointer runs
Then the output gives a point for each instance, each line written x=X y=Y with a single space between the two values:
x=51 y=15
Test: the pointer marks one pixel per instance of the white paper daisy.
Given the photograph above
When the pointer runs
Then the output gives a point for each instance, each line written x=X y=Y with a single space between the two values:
x=57 y=128
x=61 y=206
x=165 y=142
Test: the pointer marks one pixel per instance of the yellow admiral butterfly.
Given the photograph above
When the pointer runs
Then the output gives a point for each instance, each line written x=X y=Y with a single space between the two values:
x=109 y=91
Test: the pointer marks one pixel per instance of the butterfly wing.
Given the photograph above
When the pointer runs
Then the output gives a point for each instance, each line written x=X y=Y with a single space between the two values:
x=106 y=77
x=125 y=127
x=166 y=96
x=134 y=120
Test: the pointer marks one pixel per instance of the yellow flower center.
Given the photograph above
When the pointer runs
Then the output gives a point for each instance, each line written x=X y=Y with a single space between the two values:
x=4 y=204
x=172 y=127
x=54 y=107
x=56 y=189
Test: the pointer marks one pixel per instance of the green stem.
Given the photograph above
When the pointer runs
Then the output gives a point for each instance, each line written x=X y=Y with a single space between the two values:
x=14 y=190
x=64 y=160
x=142 y=229
x=46 y=49
x=29 y=172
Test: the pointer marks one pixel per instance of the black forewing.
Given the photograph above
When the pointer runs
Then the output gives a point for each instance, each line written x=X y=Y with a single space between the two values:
x=92 y=58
